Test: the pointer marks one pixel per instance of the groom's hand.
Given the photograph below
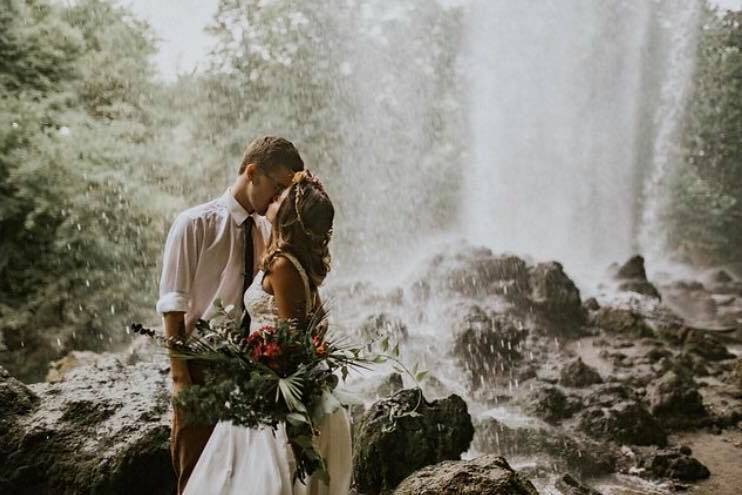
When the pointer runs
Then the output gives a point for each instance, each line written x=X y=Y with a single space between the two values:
x=175 y=327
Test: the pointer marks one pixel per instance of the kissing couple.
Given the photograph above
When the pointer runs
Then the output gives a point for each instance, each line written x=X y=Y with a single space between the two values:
x=262 y=245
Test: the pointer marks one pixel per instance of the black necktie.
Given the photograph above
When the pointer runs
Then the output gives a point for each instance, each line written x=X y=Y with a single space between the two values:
x=249 y=260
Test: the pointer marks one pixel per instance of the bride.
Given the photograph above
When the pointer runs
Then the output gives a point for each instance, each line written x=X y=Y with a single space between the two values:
x=260 y=461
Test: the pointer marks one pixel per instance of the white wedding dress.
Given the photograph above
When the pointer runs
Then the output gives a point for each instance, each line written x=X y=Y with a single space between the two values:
x=259 y=461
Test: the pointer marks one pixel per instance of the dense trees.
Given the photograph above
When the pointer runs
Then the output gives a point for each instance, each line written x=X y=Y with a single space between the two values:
x=706 y=212
x=81 y=225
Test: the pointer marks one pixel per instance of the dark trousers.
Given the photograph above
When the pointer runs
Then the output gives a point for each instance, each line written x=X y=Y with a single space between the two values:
x=187 y=440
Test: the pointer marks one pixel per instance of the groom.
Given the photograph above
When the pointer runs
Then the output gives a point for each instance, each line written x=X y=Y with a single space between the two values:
x=212 y=252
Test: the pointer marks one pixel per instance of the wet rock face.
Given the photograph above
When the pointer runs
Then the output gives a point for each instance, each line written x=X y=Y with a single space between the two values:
x=633 y=269
x=486 y=344
x=675 y=463
x=555 y=295
x=705 y=346
x=675 y=396
x=487 y=475
x=578 y=375
x=619 y=321
x=15 y=397
x=387 y=434
x=475 y=272
x=625 y=422
x=632 y=277
x=103 y=429
x=570 y=451
x=549 y=403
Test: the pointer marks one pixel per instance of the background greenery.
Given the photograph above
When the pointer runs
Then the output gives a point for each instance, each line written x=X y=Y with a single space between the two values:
x=91 y=143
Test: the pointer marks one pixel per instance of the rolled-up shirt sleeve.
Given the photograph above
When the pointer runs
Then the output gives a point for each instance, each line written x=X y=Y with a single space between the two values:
x=178 y=265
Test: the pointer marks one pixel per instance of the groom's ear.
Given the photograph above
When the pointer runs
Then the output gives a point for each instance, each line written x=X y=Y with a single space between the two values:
x=250 y=171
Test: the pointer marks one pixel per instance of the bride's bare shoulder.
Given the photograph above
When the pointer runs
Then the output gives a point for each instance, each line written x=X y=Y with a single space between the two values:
x=283 y=276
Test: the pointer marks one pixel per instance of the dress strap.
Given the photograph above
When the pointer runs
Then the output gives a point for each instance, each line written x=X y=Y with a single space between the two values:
x=305 y=279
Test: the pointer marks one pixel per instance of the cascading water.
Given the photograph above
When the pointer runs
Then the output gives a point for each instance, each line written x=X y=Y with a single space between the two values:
x=572 y=108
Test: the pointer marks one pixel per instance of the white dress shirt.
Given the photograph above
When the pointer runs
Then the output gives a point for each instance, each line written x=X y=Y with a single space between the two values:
x=204 y=258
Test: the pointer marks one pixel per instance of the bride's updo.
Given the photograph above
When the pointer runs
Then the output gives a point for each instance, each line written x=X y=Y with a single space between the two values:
x=303 y=227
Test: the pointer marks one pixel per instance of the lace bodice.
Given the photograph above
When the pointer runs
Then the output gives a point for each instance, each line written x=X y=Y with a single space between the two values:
x=262 y=306
x=259 y=304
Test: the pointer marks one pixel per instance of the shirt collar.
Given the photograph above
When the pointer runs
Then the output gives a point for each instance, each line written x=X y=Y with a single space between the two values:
x=236 y=210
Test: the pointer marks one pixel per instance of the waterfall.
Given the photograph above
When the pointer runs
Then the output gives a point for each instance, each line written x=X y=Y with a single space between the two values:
x=572 y=107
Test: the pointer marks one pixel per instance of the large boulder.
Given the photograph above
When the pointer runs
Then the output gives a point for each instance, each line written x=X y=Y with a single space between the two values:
x=578 y=374
x=487 y=475
x=486 y=344
x=407 y=427
x=103 y=428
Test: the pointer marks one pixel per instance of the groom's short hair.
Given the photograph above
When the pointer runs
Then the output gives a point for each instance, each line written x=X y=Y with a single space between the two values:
x=269 y=152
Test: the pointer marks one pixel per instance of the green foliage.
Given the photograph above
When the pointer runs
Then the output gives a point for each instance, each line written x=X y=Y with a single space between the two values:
x=81 y=222
x=706 y=219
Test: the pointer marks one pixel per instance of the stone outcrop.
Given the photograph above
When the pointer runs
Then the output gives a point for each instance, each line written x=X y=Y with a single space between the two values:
x=406 y=426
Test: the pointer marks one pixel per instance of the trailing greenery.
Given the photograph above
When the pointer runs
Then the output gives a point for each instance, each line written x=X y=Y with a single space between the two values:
x=706 y=212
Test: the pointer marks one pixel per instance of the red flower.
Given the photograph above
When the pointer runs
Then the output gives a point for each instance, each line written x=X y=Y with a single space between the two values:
x=320 y=347
x=271 y=350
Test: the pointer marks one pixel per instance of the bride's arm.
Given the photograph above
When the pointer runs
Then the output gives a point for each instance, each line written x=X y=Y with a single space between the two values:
x=285 y=283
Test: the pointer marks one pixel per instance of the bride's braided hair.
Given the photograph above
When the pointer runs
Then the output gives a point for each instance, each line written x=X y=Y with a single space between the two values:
x=303 y=227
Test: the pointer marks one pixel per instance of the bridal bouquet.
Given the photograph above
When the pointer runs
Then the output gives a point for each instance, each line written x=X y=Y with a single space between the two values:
x=278 y=374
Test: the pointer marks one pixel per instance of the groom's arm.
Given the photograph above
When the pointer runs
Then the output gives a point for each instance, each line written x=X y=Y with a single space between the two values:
x=175 y=327
x=178 y=271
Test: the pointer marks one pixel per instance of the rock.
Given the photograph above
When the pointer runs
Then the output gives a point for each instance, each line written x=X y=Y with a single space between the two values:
x=625 y=422
x=485 y=344
x=548 y=403
x=633 y=269
x=675 y=463
x=382 y=325
x=633 y=278
x=640 y=287
x=705 y=345
x=657 y=353
x=390 y=431
x=104 y=429
x=390 y=386
x=15 y=398
x=579 y=375
x=621 y=322
x=571 y=451
x=474 y=272
x=675 y=396
x=487 y=475
x=567 y=485
x=737 y=374
x=74 y=359
x=721 y=277
x=555 y=295
x=591 y=304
